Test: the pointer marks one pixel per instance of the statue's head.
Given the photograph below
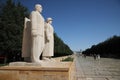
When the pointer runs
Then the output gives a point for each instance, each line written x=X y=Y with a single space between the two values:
x=49 y=20
x=38 y=8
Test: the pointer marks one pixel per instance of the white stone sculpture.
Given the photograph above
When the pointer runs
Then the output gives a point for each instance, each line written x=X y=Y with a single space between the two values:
x=49 y=40
x=26 y=44
x=36 y=36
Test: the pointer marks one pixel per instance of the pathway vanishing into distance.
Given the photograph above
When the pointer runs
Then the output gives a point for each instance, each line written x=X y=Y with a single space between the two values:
x=103 y=69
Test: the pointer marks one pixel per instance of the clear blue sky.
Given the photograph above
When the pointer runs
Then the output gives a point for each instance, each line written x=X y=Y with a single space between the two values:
x=81 y=23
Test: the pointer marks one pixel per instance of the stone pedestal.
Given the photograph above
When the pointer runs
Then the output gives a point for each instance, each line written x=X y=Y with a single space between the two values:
x=53 y=71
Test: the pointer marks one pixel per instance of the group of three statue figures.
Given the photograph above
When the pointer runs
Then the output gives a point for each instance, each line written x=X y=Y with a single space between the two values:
x=38 y=37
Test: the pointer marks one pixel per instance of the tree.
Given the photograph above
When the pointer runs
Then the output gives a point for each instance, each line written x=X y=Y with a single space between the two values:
x=11 y=27
x=107 y=48
x=60 y=48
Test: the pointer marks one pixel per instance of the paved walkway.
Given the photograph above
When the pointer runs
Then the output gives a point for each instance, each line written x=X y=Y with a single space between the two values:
x=103 y=69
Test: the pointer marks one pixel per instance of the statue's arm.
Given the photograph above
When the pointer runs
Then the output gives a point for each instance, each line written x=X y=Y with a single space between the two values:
x=33 y=24
x=47 y=32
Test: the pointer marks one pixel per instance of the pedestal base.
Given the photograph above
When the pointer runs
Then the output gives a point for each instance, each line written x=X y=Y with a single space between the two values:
x=51 y=71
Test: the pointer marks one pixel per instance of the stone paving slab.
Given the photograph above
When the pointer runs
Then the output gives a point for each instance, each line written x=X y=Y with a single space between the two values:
x=103 y=69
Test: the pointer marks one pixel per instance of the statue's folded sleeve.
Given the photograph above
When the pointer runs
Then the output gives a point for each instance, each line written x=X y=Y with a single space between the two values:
x=33 y=19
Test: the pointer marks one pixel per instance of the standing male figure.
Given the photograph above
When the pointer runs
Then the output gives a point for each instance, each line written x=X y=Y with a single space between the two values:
x=37 y=33
x=33 y=38
x=49 y=40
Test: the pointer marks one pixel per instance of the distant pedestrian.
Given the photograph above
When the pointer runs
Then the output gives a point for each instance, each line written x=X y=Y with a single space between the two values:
x=84 y=55
x=94 y=56
x=98 y=56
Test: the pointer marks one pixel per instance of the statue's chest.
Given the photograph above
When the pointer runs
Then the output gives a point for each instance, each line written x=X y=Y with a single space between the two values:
x=40 y=18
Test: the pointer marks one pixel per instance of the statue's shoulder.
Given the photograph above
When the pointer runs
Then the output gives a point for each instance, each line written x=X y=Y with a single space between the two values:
x=46 y=24
x=26 y=22
x=27 y=19
x=33 y=12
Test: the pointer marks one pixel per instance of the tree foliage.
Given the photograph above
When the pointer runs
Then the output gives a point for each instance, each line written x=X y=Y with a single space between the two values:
x=11 y=27
x=60 y=48
x=108 y=48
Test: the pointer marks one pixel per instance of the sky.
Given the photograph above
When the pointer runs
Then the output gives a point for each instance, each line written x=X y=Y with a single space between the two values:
x=81 y=23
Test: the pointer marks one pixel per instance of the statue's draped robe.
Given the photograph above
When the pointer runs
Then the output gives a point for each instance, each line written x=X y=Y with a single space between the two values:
x=26 y=43
x=37 y=33
x=49 y=41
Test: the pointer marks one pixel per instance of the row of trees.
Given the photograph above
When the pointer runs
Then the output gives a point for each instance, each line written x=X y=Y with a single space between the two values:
x=109 y=48
x=11 y=31
x=60 y=48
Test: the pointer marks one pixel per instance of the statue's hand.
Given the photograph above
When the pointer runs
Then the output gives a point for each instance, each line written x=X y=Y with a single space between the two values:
x=34 y=35
x=48 y=40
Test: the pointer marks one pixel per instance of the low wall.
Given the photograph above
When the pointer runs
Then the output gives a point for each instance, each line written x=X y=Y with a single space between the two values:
x=56 y=71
